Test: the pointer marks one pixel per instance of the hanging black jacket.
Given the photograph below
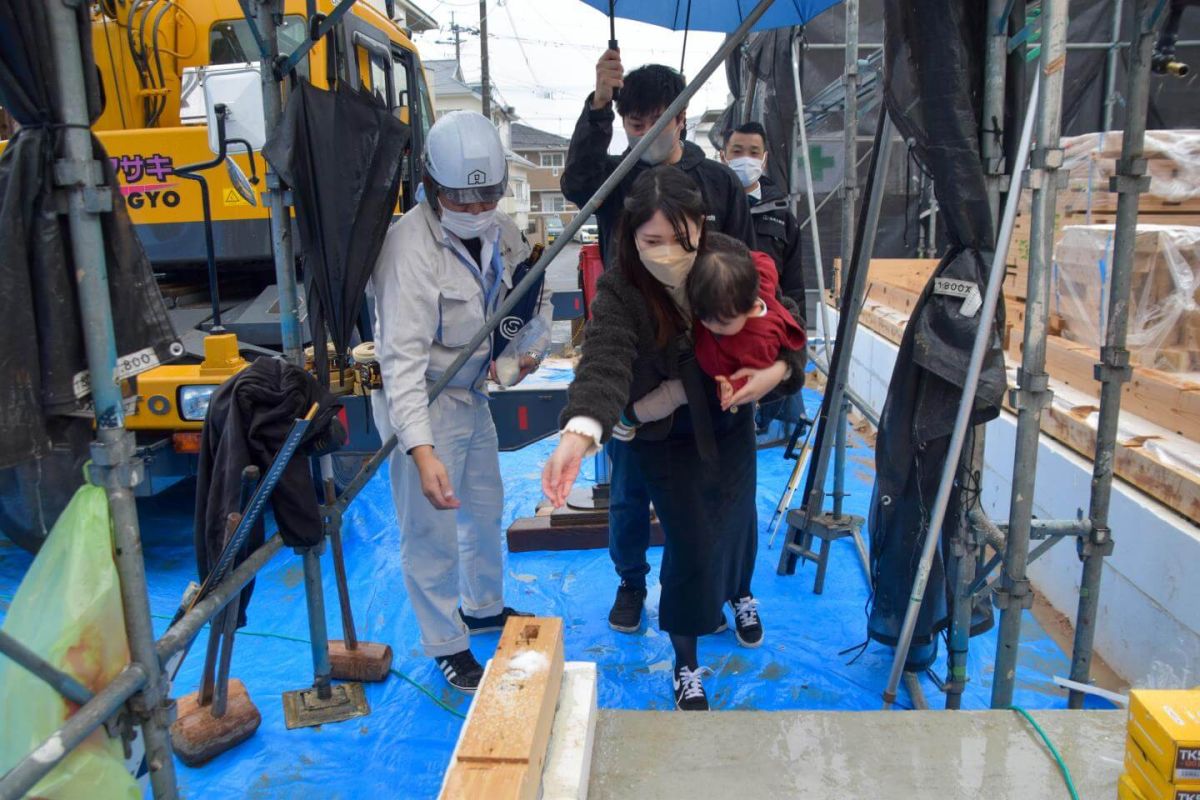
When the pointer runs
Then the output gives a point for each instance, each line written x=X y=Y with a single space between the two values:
x=589 y=165
x=248 y=420
x=778 y=236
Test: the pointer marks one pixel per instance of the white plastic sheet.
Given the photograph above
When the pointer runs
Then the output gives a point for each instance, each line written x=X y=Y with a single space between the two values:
x=1164 y=321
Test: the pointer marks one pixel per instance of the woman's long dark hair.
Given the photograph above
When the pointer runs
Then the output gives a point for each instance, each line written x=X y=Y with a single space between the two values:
x=667 y=189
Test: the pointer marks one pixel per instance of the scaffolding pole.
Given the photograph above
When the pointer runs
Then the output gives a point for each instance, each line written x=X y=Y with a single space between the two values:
x=815 y=233
x=268 y=12
x=839 y=371
x=1032 y=394
x=983 y=337
x=115 y=465
x=1113 y=370
x=849 y=136
x=965 y=543
x=1111 y=61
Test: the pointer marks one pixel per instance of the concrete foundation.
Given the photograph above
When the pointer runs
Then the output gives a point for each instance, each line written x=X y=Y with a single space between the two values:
x=916 y=755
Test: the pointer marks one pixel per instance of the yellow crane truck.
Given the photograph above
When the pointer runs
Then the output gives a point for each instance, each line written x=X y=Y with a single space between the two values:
x=151 y=57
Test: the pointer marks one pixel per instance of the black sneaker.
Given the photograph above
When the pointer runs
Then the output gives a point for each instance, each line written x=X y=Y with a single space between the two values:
x=626 y=613
x=492 y=623
x=689 y=690
x=461 y=671
x=748 y=627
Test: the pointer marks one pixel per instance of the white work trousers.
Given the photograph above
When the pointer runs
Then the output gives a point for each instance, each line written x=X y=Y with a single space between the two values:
x=453 y=557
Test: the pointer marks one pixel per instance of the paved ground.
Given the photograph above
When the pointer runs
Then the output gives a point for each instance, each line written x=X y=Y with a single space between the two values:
x=915 y=755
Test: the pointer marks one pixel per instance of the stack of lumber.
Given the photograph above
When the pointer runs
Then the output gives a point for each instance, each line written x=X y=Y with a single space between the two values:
x=1172 y=162
x=1164 y=323
x=1160 y=412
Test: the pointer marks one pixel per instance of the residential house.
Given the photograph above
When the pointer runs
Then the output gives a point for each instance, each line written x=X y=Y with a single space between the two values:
x=451 y=92
x=548 y=153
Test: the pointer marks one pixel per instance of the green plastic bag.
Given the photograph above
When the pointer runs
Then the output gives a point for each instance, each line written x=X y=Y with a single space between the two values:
x=68 y=611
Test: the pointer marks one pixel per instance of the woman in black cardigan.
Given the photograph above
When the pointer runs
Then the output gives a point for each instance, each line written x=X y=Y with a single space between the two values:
x=699 y=463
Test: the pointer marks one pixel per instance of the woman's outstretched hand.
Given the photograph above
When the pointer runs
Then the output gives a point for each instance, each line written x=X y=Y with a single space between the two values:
x=560 y=472
x=759 y=383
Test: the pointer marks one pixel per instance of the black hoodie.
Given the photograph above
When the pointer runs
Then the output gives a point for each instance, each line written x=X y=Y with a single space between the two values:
x=589 y=165
x=778 y=236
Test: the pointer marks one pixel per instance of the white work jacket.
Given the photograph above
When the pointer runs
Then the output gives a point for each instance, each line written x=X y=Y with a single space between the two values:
x=430 y=299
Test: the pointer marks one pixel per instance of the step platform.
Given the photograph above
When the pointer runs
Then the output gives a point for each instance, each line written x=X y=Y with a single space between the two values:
x=917 y=755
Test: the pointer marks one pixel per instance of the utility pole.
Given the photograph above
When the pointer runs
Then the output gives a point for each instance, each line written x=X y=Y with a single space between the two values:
x=485 y=83
x=458 y=31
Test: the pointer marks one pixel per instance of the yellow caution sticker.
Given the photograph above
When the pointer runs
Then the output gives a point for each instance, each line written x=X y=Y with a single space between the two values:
x=232 y=198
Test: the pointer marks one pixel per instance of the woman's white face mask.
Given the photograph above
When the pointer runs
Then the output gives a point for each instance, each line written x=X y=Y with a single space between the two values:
x=465 y=225
x=668 y=263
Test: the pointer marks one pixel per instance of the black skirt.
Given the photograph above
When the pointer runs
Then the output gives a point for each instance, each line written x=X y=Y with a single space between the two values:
x=708 y=515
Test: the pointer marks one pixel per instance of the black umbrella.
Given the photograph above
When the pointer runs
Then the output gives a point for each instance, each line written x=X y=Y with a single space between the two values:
x=341 y=151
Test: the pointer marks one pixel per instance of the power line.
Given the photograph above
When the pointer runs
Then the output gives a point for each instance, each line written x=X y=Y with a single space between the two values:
x=520 y=44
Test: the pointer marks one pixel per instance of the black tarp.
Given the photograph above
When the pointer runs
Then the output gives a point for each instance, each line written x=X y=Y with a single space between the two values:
x=341 y=152
x=933 y=89
x=42 y=359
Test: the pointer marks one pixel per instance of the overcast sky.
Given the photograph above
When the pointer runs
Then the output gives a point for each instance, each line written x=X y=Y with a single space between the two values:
x=543 y=53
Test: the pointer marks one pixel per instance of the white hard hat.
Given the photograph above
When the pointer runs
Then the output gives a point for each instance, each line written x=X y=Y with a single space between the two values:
x=465 y=158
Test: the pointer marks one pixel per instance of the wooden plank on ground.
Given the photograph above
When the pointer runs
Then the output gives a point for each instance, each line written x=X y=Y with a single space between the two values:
x=487 y=781
x=509 y=725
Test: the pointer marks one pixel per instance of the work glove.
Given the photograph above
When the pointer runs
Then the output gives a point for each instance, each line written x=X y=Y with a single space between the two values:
x=660 y=402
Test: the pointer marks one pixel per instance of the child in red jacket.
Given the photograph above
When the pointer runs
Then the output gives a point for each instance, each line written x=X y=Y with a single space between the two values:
x=732 y=292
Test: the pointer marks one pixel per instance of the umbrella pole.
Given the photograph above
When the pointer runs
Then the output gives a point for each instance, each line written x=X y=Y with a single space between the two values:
x=731 y=43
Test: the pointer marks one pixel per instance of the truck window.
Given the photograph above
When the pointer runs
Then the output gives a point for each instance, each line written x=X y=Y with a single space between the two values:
x=374 y=69
x=231 y=42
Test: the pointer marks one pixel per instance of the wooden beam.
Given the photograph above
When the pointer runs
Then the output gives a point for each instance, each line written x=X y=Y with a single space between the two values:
x=1160 y=397
x=508 y=728
x=1133 y=462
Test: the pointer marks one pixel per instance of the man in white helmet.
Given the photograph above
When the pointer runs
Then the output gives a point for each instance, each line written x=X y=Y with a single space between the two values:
x=445 y=267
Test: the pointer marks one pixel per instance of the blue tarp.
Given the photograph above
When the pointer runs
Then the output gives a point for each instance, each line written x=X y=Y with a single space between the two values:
x=402 y=748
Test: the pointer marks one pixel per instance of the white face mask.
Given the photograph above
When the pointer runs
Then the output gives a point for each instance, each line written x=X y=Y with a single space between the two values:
x=748 y=169
x=469 y=226
x=668 y=263
x=661 y=148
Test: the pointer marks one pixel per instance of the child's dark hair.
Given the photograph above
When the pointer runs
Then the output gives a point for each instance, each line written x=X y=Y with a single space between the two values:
x=723 y=282
x=649 y=90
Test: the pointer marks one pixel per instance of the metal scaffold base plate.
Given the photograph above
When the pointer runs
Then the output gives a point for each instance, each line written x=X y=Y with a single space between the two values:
x=198 y=737
x=303 y=708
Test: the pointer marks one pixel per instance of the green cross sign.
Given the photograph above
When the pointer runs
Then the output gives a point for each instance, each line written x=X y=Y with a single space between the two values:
x=819 y=162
